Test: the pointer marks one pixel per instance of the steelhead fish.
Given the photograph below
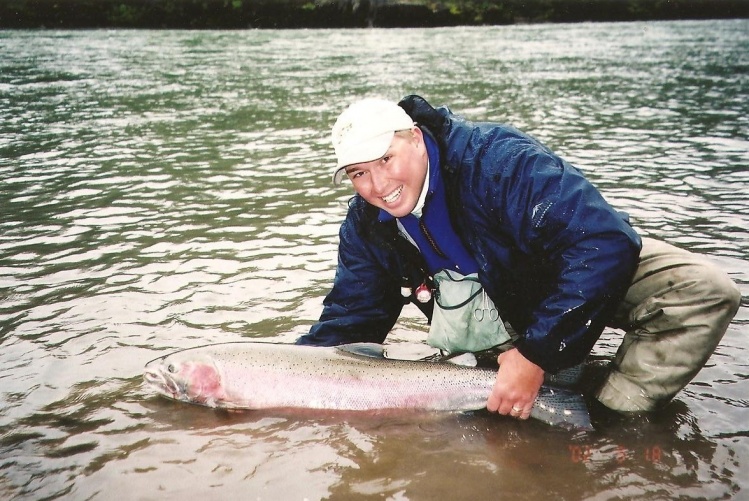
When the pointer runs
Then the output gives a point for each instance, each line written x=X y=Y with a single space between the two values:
x=257 y=375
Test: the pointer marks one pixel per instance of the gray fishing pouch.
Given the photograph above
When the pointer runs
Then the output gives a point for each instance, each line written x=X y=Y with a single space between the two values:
x=465 y=318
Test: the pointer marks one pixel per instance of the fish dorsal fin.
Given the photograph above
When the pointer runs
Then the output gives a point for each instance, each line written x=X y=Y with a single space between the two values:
x=398 y=351
x=412 y=351
x=372 y=350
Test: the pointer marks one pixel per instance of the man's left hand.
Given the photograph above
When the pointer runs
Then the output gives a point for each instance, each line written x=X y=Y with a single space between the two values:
x=517 y=385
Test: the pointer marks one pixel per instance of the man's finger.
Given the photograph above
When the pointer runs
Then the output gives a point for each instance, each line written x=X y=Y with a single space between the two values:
x=526 y=410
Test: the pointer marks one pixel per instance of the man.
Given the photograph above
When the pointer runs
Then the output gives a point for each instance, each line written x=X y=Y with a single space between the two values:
x=436 y=192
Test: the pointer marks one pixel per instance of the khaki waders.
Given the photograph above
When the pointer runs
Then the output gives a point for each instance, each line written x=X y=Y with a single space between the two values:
x=674 y=314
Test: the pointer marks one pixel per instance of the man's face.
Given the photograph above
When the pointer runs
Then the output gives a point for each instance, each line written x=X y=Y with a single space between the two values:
x=394 y=182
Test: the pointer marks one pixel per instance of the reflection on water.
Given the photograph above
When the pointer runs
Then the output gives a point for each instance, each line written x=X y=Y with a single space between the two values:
x=165 y=189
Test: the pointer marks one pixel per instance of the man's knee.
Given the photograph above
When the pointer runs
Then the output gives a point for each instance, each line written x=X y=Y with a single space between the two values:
x=720 y=293
x=685 y=308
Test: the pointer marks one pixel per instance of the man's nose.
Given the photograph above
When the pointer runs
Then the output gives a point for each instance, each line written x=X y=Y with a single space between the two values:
x=379 y=180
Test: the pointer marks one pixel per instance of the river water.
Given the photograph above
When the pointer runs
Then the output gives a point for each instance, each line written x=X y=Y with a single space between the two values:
x=165 y=189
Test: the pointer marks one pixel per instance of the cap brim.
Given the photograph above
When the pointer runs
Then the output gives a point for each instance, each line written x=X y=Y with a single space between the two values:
x=338 y=175
x=364 y=151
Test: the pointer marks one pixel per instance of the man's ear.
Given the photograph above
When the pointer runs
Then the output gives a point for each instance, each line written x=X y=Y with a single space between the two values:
x=417 y=134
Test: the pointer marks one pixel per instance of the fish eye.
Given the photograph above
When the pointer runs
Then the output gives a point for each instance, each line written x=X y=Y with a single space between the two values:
x=171 y=368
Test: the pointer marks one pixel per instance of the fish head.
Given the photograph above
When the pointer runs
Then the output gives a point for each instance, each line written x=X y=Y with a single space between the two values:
x=193 y=379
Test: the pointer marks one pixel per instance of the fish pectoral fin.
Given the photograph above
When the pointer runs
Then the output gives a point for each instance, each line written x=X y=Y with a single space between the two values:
x=463 y=359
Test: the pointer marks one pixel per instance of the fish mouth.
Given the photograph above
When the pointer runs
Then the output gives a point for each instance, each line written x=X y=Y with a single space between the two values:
x=156 y=379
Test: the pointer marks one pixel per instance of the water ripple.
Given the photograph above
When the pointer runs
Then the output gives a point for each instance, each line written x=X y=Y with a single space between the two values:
x=165 y=189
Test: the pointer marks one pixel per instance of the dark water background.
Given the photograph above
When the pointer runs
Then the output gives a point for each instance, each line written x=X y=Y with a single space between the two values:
x=164 y=189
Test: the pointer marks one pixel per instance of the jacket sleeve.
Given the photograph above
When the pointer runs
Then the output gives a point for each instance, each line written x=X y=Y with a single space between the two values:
x=365 y=301
x=566 y=227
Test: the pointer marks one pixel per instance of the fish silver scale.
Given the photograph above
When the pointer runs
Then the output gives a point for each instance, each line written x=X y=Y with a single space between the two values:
x=327 y=378
x=257 y=375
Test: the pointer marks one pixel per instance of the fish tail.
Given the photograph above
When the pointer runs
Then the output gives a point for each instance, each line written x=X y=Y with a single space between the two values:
x=562 y=407
x=566 y=378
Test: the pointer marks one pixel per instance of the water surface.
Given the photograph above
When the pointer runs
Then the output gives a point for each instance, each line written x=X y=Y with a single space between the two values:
x=164 y=189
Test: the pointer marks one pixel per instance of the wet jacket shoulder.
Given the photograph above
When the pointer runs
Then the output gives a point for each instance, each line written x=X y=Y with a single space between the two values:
x=554 y=256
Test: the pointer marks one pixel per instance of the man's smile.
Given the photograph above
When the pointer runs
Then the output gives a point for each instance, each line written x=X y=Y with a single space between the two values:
x=392 y=197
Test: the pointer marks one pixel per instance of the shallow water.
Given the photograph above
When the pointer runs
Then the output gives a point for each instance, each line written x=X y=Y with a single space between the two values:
x=164 y=189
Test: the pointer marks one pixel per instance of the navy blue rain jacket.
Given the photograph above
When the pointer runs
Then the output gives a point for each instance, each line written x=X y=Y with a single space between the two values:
x=553 y=255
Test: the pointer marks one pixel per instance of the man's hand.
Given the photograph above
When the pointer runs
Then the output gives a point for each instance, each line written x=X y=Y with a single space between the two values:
x=517 y=385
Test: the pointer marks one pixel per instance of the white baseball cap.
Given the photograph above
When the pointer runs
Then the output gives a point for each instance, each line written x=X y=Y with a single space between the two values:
x=364 y=131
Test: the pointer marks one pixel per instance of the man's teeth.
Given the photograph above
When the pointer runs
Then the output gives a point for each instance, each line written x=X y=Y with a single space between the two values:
x=393 y=196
